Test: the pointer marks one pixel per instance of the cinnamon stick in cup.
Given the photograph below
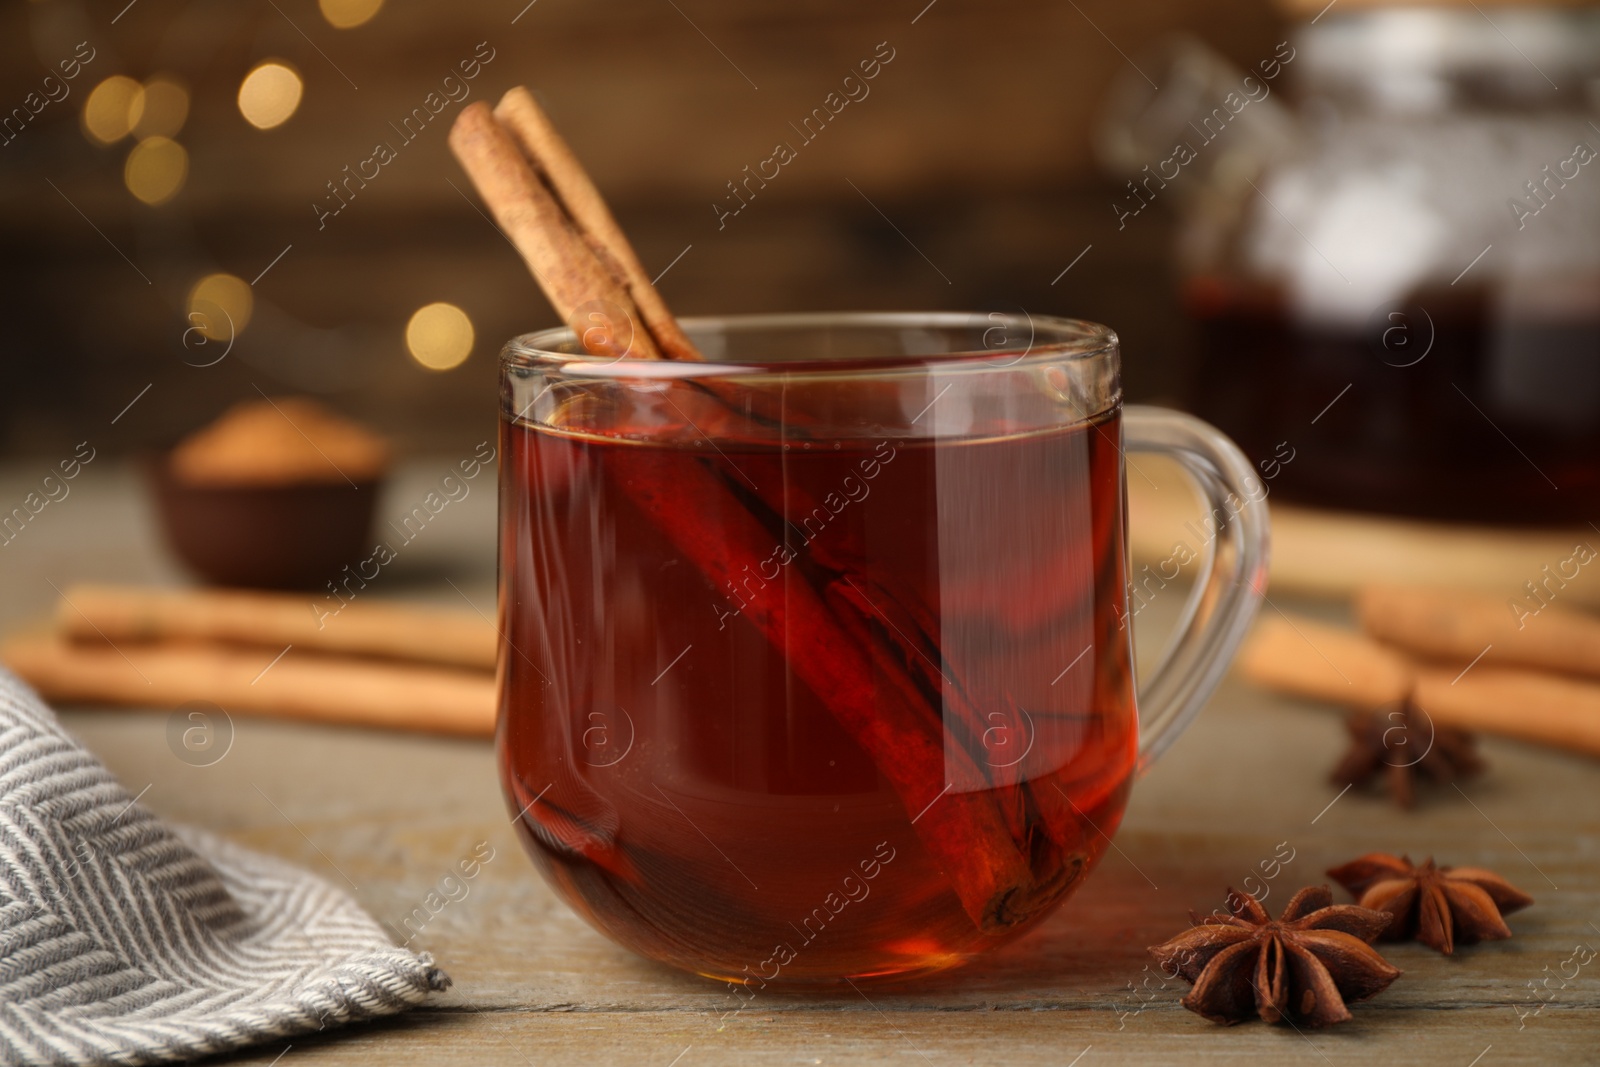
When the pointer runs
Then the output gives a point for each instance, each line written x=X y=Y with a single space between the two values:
x=966 y=829
x=549 y=209
x=528 y=125
x=573 y=267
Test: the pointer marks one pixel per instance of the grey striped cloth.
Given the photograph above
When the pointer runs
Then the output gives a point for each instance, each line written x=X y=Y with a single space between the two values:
x=125 y=940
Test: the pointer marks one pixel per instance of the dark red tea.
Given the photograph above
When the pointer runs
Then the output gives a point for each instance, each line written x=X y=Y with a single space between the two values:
x=785 y=714
x=1449 y=405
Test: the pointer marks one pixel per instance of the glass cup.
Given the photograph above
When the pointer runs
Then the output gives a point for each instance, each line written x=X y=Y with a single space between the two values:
x=818 y=659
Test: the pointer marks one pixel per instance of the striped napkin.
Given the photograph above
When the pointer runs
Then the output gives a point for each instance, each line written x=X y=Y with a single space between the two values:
x=125 y=940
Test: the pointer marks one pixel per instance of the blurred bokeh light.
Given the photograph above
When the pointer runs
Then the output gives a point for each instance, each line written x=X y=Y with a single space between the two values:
x=304 y=151
x=220 y=306
x=347 y=14
x=113 y=109
x=156 y=169
x=165 y=108
x=269 y=94
x=439 y=336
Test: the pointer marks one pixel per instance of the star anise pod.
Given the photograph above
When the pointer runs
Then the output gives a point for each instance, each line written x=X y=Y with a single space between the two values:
x=1438 y=906
x=1302 y=967
x=1400 y=743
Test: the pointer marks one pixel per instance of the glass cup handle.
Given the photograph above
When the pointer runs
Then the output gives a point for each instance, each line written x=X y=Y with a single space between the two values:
x=1231 y=580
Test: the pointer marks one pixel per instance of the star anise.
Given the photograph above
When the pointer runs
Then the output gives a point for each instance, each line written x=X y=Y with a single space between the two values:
x=1400 y=742
x=1438 y=906
x=1302 y=967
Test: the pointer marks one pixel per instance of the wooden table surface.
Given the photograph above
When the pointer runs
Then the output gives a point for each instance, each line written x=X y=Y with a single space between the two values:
x=385 y=815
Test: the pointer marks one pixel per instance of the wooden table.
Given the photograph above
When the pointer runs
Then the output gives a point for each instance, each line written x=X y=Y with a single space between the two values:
x=384 y=815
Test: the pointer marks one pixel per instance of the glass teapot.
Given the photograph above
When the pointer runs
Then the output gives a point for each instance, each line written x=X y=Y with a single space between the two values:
x=1395 y=285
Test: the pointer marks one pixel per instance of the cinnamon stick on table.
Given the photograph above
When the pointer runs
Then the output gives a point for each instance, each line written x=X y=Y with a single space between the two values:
x=1528 y=705
x=131 y=613
x=1460 y=626
x=548 y=207
x=303 y=686
x=1322 y=662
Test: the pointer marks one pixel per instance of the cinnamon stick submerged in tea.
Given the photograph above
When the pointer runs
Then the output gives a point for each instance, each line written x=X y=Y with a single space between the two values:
x=964 y=829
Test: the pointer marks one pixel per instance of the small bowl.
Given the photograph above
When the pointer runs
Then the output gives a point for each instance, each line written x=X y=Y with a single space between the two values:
x=296 y=536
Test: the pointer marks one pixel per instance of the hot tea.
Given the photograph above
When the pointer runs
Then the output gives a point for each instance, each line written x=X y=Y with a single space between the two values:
x=767 y=708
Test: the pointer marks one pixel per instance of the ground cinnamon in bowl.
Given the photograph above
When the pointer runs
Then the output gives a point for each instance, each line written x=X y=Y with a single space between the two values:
x=276 y=493
x=287 y=441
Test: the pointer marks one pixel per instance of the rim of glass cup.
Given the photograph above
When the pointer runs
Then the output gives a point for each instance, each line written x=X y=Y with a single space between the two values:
x=1048 y=338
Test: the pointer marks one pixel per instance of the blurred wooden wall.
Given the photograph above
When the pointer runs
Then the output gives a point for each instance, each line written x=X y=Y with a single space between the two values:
x=974 y=142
